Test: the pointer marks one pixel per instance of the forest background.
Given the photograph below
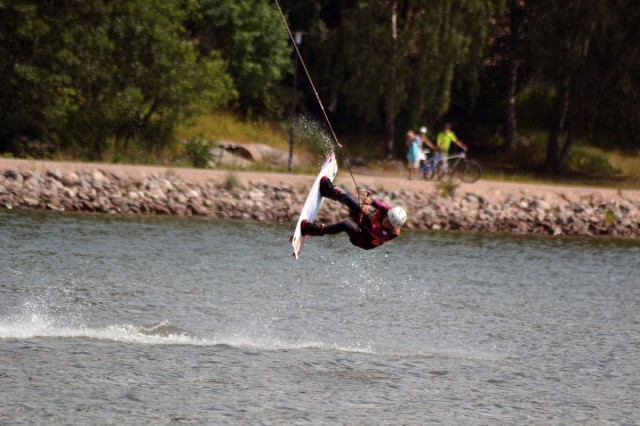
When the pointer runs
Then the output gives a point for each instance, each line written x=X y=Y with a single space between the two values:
x=548 y=86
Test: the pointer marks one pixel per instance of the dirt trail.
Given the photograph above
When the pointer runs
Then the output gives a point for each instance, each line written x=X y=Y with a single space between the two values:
x=493 y=191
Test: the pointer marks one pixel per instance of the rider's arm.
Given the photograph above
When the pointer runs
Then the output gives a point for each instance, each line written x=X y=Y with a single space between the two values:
x=428 y=143
x=380 y=206
x=458 y=141
x=378 y=231
x=461 y=144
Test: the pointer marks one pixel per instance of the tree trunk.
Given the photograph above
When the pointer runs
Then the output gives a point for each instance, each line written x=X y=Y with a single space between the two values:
x=557 y=126
x=390 y=110
x=568 y=144
x=139 y=124
x=510 y=119
x=390 y=133
x=512 y=79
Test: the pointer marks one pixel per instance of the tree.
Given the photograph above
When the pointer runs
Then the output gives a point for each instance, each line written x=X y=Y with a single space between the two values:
x=379 y=62
x=588 y=54
x=251 y=38
x=27 y=94
x=515 y=12
x=162 y=79
x=614 y=87
x=79 y=75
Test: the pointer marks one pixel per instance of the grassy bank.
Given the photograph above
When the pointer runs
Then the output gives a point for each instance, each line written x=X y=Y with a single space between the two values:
x=226 y=126
x=588 y=165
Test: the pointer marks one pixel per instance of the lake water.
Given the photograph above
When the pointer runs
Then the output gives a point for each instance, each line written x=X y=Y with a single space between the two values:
x=110 y=320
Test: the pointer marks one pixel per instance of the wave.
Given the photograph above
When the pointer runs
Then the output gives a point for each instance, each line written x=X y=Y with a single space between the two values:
x=36 y=325
x=162 y=333
x=165 y=333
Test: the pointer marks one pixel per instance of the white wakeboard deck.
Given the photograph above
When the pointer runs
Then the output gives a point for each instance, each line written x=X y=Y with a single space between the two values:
x=313 y=203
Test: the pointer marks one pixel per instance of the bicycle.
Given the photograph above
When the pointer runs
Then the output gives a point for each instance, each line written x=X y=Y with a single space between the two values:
x=458 y=165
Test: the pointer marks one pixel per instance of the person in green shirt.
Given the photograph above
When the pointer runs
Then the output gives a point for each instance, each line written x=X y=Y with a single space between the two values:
x=444 y=139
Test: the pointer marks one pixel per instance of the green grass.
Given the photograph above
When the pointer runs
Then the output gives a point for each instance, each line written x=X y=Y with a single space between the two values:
x=588 y=165
x=226 y=126
x=311 y=139
x=627 y=163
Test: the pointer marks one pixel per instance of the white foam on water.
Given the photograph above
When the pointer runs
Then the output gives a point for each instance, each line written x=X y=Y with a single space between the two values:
x=36 y=326
x=35 y=321
x=125 y=333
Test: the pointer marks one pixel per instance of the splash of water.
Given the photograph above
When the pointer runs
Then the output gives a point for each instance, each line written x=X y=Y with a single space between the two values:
x=313 y=135
x=37 y=320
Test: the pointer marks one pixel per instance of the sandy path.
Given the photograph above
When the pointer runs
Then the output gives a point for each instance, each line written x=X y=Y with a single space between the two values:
x=493 y=191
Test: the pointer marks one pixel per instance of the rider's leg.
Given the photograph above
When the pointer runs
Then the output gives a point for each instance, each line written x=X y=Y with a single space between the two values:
x=445 y=163
x=347 y=226
x=328 y=190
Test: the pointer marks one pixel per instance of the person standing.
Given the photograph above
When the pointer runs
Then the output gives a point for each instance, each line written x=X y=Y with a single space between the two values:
x=443 y=140
x=413 y=154
x=425 y=143
x=425 y=139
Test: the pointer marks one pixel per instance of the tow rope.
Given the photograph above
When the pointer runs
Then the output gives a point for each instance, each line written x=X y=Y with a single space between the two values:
x=326 y=117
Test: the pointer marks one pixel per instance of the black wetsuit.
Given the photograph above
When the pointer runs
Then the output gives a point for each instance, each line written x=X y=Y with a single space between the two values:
x=360 y=227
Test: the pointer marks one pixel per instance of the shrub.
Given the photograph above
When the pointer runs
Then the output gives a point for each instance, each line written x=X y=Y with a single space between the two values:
x=198 y=151
x=610 y=217
x=232 y=182
x=447 y=187
x=589 y=161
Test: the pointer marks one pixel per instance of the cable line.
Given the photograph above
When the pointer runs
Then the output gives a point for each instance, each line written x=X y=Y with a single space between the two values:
x=326 y=117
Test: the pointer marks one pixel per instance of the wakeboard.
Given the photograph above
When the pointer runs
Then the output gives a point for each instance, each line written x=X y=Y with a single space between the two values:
x=313 y=203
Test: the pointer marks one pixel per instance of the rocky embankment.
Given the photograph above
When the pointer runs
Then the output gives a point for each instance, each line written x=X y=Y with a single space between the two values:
x=112 y=192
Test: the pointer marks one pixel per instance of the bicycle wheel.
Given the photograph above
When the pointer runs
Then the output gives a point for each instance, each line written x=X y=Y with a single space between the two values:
x=427 y=172
x=468 y=171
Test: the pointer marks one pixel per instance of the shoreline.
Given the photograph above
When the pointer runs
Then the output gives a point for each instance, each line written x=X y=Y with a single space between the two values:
x=484 y=206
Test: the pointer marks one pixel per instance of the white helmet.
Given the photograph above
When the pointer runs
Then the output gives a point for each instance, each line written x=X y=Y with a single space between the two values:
x=397 y=216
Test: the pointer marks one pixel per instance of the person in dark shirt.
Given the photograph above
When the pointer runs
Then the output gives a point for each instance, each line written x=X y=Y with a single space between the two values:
x=371 y=225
